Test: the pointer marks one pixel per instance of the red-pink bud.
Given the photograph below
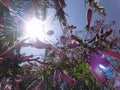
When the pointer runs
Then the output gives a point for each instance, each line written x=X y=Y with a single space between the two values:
x=89 y=16
x=112 y=53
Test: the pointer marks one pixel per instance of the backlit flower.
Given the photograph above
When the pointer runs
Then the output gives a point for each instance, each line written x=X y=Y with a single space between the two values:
x=94 y=61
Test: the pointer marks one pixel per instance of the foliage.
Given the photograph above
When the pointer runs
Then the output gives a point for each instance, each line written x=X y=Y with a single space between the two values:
x=70 y=64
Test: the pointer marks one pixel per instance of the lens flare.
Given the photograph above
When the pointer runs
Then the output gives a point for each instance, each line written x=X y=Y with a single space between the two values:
x=35 y=29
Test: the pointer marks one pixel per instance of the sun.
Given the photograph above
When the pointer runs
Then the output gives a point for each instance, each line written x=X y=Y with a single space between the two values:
x=35 y=29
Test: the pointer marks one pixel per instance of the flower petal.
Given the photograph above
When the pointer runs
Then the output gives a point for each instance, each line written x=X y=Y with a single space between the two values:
x=57 y=77
x=69 y=80
x=94 y=61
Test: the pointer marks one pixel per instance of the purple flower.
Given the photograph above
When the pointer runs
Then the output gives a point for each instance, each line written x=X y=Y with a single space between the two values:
x=57 y=77
x=94 y=61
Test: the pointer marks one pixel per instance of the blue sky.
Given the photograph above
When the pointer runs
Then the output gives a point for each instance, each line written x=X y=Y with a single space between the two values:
x=76 y=11
x=112 y=8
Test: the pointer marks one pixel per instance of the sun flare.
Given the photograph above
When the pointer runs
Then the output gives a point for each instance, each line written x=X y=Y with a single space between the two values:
x=35 y=29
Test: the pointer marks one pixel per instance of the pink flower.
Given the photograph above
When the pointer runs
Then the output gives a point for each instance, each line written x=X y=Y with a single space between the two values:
x=69 y=80
x=94 y=61
x=57 y=77
x=60 y=75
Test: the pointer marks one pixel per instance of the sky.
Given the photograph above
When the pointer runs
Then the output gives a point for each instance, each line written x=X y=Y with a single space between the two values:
x=113 y=11
x=76 y=11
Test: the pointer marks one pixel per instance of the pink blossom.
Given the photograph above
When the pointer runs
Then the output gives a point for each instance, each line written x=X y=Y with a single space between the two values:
x=60 y=75
x=57 y=77
x=94 y=61
x=68 y=79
